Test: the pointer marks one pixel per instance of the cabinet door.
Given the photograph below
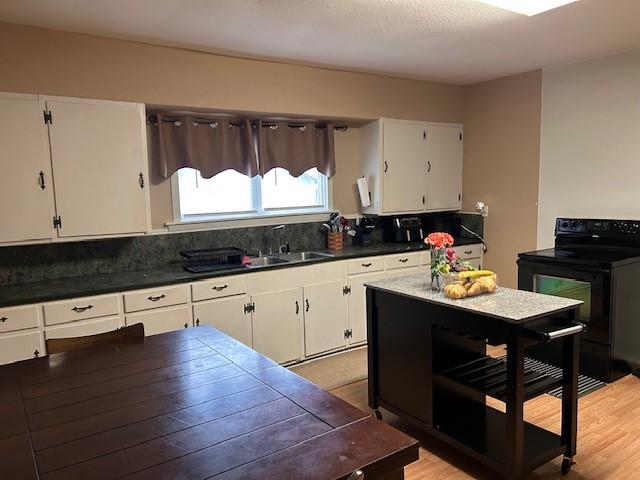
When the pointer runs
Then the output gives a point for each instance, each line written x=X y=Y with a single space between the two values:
x=444 y=157
x=277 y=325
x=83 y=328
x=98 y=153
x=26 y=208
x=227 y=315
x=162 y=320
x=20 y=346
x=403 y=272
x=326 y=312
x=358 y=305
x=404 y=168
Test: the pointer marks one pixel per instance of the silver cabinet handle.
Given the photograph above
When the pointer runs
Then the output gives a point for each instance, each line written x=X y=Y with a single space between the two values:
x=386 y=167
x=297 y=307
x=403 y=260
x=41 y=180
x=3 y=319
x=219 y=289
x=155 y=299
x=366 y=265
x=428 y=166
x=141 y=180
x=307 y=305
x=82 y=309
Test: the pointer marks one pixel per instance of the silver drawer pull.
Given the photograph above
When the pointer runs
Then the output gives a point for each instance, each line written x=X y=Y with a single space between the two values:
x=357 y=475
x=219 y=289
x=403 y=260
x=82 y=309
x=366 y=265
x=3 y=319
x=155 y=299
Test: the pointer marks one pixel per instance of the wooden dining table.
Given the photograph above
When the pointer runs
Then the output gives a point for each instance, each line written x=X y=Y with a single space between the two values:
x=191 y=404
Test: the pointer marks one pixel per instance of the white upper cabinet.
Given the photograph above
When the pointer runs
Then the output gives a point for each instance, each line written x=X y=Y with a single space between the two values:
x=411 y=167
x=99 y=159
x=444 y=167
x=404 y=181
x=26 y=188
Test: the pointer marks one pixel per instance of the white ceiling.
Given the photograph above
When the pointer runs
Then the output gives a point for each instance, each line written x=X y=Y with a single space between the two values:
x=457 y=41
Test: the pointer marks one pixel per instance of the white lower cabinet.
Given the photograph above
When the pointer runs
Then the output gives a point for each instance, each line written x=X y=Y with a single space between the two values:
x=326 y=312
x=227 y=315
x=358 y=305
x=162 y=320
x=277 y=324
x=401 y=272
x=20 y=346
x=83 y=328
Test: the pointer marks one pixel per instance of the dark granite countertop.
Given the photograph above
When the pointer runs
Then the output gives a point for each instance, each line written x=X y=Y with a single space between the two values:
x=82 y=286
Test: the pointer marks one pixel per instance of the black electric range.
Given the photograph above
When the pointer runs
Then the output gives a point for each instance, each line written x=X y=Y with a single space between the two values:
x=598 y=262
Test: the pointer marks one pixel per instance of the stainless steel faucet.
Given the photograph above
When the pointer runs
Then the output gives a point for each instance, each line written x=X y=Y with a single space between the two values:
x=271 y=230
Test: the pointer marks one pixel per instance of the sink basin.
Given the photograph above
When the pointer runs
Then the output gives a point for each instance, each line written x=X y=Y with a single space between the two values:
x=304 y=256
x=267 y=260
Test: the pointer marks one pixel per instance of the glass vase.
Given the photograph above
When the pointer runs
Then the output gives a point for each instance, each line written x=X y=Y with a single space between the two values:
x=437 y=258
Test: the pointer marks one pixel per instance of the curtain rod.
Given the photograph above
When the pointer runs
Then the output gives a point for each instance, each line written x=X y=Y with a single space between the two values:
x=213 y=123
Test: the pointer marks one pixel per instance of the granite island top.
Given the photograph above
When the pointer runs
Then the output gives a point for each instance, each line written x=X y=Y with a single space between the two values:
x=81 y=286
x=513 y=306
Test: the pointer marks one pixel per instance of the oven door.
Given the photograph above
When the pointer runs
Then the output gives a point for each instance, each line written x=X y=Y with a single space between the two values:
x=593 y=287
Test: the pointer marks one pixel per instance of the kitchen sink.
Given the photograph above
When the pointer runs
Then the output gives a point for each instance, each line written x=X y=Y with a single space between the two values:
x=267 y=260
x=304 y=256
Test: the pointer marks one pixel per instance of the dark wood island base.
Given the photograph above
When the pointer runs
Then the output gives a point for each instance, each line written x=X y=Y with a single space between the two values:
x=428 y=365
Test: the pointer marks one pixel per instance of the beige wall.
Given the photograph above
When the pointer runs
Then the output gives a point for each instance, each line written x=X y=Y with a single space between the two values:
x=35 y=60
x=501 y=165
x=590 y=146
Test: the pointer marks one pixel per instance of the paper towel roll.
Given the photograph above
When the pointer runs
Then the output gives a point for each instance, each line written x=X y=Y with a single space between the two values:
x=363 y=189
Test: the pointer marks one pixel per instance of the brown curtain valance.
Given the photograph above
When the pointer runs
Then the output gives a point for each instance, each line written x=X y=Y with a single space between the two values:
x=208 y=145
x=295 y=147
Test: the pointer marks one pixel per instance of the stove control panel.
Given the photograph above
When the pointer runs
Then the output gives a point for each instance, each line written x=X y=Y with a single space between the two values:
x=613 y=228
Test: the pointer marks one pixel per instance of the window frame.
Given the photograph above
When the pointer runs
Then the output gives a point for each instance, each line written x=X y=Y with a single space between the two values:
x=287 y=215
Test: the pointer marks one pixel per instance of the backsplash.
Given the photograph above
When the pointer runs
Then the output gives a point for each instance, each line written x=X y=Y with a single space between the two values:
x=34 y=263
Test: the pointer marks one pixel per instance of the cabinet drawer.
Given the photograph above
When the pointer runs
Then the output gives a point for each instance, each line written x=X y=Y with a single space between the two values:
x=364 y=265
x=218 y=288
x=469 y=251
x=20 y=346
x=156 y=298
x=402 y=260
x=84 y=328
x=425 y=258
x=18 y=318
x=162 y=320
x=81 y=309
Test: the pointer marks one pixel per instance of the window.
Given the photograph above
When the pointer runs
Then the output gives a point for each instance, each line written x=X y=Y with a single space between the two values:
x=233 y=195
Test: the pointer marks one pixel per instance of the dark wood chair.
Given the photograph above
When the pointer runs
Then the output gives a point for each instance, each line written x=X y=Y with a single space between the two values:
x=58 y=345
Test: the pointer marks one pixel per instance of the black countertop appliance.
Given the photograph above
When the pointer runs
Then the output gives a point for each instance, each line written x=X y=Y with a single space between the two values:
x=364 y=229
x=598 y=262
x=402 y=229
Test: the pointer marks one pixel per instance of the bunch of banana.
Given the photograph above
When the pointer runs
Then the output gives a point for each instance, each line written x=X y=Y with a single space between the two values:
x=473 y=274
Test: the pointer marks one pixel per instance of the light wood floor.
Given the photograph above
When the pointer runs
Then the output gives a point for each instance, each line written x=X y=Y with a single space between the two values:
x=608 y=436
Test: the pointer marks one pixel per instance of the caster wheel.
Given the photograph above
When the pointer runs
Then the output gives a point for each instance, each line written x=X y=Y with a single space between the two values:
x=377 y=414
x=567 y=463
